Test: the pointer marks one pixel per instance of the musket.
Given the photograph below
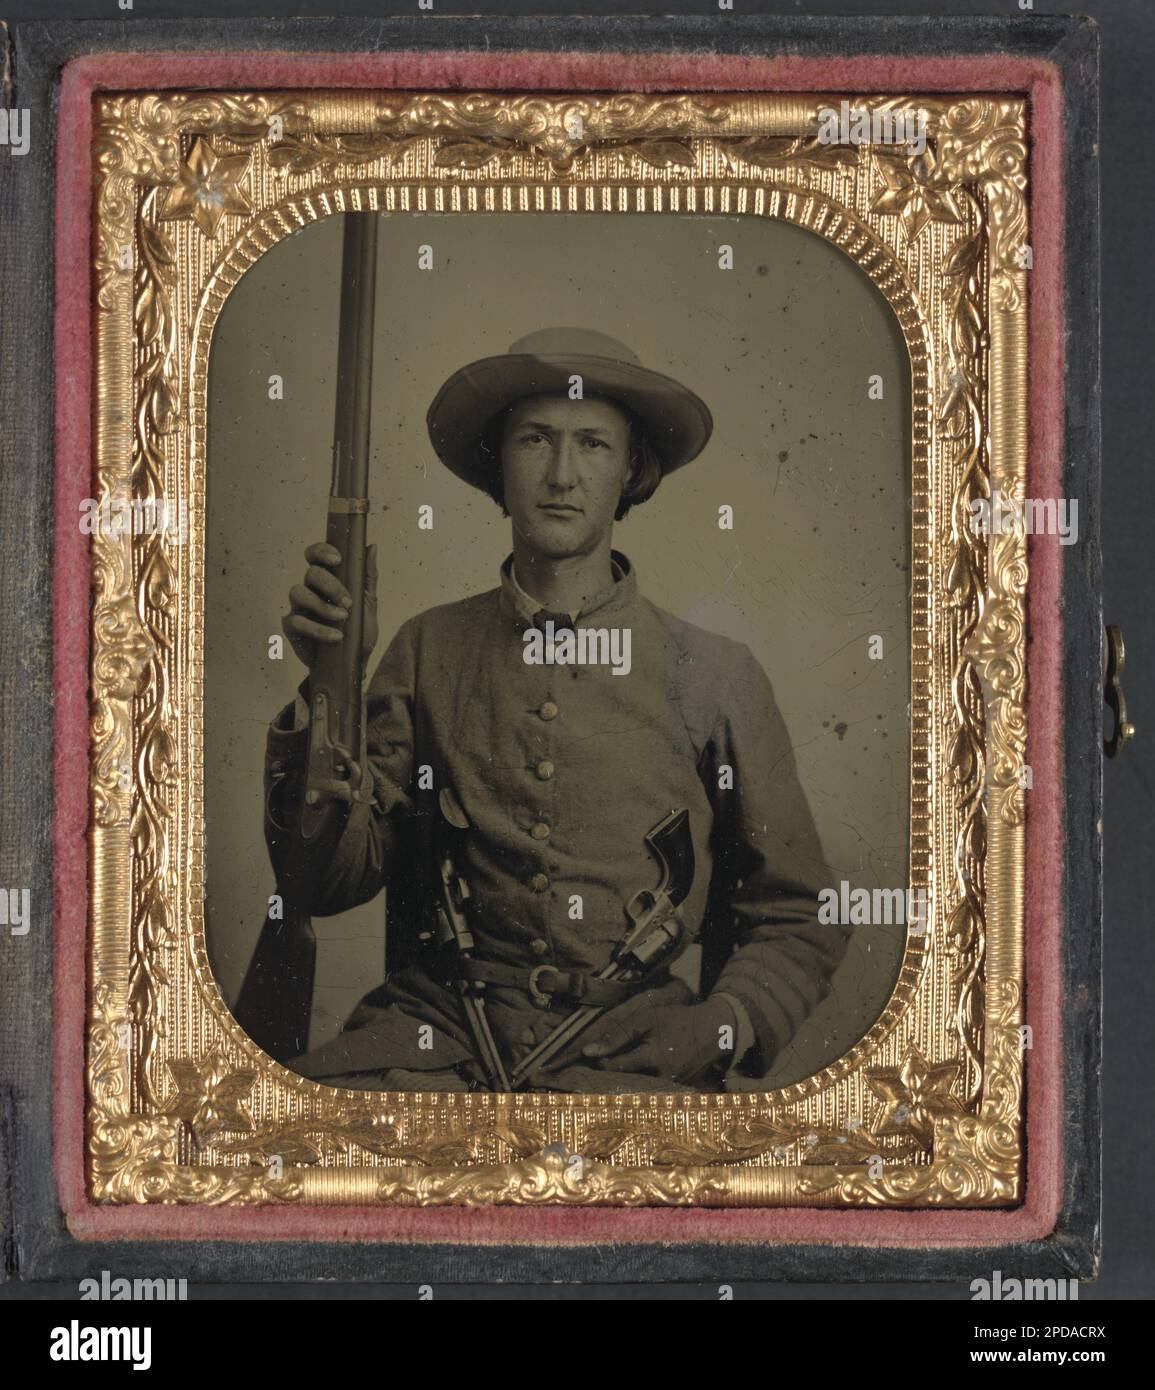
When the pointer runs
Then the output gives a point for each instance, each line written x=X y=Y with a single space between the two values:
x=276 y=998
x=654 y=935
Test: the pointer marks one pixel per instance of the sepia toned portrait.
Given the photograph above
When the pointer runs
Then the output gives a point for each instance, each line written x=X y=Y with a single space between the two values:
x=637 y=508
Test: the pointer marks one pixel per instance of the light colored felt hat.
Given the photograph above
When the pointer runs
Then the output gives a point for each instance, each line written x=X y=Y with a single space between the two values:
x=677 y=422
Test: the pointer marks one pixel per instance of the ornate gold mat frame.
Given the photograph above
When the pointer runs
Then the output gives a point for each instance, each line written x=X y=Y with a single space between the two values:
x=926 y=1110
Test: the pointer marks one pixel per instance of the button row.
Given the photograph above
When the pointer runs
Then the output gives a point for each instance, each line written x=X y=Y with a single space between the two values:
x=543 y=770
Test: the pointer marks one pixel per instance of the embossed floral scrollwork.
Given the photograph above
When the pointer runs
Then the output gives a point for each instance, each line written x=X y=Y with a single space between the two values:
x=552 y=1178
x=134 y=1157
x=962 y=417
x=976 y=1156
x=783 y=151
x=357 y=1127
x=982 y=141
x=221 y=1127
x=477 y=130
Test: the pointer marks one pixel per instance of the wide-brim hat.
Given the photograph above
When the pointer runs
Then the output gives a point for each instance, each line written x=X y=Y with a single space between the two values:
x=676 y=421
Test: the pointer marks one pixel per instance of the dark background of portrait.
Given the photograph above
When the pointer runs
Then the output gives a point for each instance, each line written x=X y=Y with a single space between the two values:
x=780 y=347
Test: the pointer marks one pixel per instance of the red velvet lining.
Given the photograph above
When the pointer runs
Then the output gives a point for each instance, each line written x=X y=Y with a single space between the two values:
x=591 y=72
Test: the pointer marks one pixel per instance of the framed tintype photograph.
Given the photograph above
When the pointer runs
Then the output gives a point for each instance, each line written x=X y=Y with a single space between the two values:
x=558 y=727
x=572 y=580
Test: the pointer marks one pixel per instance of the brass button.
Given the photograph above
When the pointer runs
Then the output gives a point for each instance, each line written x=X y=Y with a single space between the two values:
x=538 y=946
x=539 y=883
x=544 y=770
x=548 y=710
x=540 y=831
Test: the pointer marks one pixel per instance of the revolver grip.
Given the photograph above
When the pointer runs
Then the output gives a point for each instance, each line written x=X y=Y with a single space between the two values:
x=673 y=847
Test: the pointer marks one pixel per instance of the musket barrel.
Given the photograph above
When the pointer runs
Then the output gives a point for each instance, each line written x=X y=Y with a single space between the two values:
x=351 y=441
x=337 y=675
x=275 y=1003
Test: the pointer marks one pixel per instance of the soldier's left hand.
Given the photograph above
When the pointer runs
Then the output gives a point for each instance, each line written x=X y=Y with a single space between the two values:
x=680 y=1041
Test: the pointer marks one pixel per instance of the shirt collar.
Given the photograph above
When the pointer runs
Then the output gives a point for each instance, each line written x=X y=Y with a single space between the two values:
x=528 y=608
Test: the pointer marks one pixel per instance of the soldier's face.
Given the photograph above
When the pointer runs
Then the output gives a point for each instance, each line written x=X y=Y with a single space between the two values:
x=564 y=467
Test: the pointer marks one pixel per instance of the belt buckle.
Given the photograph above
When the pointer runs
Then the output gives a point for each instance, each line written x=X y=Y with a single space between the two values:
x=542 y=998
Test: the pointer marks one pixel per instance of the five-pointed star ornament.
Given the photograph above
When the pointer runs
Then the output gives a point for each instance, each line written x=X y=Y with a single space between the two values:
x=210 y=1096
x=207 y=187
x=914 y=192
x=914 y=1093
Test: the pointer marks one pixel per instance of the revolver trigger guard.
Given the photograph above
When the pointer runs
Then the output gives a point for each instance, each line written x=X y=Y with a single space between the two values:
x=642 y=901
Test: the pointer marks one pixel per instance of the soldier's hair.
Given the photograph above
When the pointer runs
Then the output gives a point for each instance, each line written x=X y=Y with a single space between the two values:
x=641 y=484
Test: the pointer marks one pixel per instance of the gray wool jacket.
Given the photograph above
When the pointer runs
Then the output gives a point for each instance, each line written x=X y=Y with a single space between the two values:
x=562 y=770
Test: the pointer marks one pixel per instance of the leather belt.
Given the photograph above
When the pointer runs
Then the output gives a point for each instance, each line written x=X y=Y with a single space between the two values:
x=544 y=983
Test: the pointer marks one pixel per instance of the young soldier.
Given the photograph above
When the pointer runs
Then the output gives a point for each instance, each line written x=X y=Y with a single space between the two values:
x=552 y=770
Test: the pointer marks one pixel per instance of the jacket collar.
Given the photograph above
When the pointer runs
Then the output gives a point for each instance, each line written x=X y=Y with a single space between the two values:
x=617 y=596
